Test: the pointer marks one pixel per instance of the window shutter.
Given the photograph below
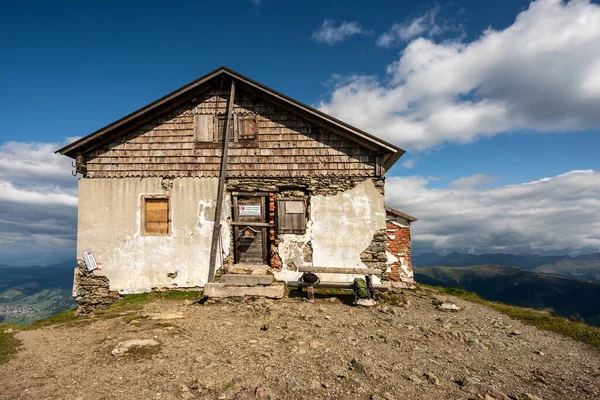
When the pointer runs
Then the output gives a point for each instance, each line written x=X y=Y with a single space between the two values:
x=291 y=215
x=204 y=128
x=156 y=218
x=220 y=128
x=247 y=126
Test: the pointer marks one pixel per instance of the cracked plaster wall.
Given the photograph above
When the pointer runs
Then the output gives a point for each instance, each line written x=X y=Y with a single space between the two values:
x=109 y=224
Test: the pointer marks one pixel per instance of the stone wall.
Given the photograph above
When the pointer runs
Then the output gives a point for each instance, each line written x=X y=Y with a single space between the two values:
x=375 y=256
x=315 y=186
x=91 y=291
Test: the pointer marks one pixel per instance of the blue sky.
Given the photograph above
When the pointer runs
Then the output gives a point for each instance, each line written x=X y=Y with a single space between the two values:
x=69 y=68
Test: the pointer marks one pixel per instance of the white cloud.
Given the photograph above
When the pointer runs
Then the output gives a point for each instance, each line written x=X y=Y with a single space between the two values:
x=425 y=25
x=38 y=201
x=560 y=213
x=472 y=181
x=331 y=34
x=540 y=73
x=410 y=163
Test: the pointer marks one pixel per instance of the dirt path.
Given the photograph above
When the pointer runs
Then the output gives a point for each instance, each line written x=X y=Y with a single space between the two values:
x=296 y=350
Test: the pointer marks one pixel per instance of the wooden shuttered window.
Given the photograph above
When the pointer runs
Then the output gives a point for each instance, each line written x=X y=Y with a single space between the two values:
x=211 y=128
x=204 y=128
x=291 y=215
x=156 y=216
x=247 y=128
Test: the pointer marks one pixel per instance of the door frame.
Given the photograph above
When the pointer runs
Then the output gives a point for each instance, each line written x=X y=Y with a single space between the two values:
x=262 y=226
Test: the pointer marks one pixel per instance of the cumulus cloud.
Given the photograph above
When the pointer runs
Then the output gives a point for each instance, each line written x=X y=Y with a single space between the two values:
x=38 y=203
x=541 y=73
x=331 y=34
x=424 y=25
x=560 y=213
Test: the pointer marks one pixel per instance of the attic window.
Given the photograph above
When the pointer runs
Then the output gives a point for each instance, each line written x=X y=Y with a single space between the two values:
x=209 y=130
x=247 y=128
x=155 y=215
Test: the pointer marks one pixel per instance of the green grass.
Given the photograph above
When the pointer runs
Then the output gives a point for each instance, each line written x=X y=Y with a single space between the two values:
x=8 y=345
x=538 y=318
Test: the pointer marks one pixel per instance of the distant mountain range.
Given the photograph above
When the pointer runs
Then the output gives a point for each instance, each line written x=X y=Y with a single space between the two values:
x=584 y=267
x=35 y=292
x=571 y=298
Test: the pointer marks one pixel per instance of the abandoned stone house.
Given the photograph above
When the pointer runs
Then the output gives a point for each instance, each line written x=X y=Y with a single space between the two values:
x=295 y=190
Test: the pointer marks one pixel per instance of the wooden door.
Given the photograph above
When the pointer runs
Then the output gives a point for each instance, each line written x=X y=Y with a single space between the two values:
x=250 y=228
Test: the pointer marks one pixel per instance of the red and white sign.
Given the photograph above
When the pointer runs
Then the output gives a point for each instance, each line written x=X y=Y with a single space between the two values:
x=249 y=211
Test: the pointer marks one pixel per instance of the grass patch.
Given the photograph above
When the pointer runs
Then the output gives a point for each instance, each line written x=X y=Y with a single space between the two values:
x=391 y=299
x=143 y=352
x=8 y=345
x=538 y=318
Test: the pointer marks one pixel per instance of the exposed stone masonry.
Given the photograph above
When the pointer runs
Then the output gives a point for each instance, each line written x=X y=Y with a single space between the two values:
x=374 y=255
x=92 y=291
x=317 y=186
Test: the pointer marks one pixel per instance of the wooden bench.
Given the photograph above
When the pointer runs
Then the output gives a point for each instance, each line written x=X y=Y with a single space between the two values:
x=336 y=285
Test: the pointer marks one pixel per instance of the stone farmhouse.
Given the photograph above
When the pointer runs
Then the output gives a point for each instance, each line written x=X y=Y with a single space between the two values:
x=226 y=175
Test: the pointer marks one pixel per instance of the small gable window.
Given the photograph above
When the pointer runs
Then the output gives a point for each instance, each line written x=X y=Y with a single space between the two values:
x=210 y=129
x=247 y=129
x=156 y=215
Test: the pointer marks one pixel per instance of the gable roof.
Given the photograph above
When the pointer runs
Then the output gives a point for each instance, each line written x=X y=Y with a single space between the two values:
x=353 y=133
x=393 y=211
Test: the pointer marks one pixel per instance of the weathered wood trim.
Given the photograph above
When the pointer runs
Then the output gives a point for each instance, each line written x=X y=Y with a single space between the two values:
x=259 y=224
x=250 y=194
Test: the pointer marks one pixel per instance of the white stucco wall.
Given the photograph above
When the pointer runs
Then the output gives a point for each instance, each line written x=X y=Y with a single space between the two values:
x=339 y=229
x=109 y=224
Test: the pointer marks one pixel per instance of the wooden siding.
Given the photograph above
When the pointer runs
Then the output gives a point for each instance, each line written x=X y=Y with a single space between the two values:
x=286 y=145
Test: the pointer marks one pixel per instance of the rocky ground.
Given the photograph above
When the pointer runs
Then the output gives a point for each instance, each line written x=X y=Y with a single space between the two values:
x=289 y=349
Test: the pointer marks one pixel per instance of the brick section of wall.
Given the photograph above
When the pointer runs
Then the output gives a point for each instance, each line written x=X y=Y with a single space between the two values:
x=398 y=243
x=274 y=259
x=287 y=146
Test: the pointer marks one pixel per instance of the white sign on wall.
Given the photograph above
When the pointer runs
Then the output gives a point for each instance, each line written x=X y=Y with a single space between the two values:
x=89 y=259
x=249 y=211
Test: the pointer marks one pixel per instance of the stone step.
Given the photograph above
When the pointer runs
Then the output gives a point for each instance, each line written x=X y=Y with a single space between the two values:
x=246 y=280
x=220 y=290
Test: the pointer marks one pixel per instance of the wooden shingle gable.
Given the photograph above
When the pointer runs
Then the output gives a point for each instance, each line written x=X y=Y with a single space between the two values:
x=387 y=152
x=284 y=145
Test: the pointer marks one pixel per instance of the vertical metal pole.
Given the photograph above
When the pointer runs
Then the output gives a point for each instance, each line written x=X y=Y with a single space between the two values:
x=221 y=191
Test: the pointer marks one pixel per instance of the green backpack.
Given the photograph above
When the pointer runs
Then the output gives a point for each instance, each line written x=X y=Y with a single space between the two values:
x=360 y=288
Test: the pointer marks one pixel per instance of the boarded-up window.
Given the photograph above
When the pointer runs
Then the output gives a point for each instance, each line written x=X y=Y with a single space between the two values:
x=291 y=215
x=204 y=128
x=156 y=216
x=220 y=122
x=247 y=128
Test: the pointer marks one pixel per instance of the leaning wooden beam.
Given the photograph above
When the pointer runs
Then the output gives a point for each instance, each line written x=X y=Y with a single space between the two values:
x=214 y=248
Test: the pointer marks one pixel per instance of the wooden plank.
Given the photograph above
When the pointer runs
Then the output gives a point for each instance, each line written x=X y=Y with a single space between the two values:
x=257 y=224
x=157 y=216
x=333 y=270
x=249 y=194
